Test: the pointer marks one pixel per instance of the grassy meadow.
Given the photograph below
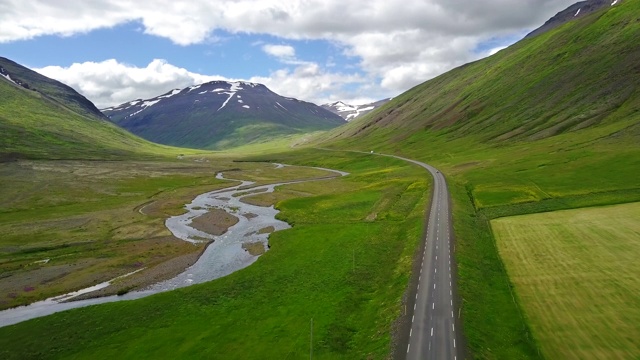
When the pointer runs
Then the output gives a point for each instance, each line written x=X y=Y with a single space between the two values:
x=345 y=264
x=67 y=225
x=576 y=274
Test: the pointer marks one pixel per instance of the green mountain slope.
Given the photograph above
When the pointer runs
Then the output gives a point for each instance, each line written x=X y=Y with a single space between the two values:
x=584 y=74
x=50 y=89
x=51 y=124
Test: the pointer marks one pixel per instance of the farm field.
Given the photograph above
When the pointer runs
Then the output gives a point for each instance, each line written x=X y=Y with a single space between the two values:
x=575 y=273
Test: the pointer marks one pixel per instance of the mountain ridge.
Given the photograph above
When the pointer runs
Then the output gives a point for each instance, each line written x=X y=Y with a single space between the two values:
x=41 y=118
x=579 y=9
x=53 y=90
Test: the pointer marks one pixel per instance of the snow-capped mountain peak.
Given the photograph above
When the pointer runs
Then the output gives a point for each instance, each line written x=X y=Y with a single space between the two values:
x=201 y=115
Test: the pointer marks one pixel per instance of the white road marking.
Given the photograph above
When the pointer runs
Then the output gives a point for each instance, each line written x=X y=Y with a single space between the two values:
x=408 y=347
x=413 y=318
x=434 y=286
x=433 y=306
x=454 y=342
x=431 y=331
x=411 y=332
x=453 y=327
x=414 y=307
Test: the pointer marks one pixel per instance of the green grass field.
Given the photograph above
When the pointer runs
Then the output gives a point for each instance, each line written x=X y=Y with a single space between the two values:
x=576 y=275
x=339 y=265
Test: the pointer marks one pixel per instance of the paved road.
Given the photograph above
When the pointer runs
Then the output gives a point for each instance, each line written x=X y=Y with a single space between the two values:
x=433 y=333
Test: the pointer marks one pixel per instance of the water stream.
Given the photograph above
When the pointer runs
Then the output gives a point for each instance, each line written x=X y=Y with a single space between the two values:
x=222 y=257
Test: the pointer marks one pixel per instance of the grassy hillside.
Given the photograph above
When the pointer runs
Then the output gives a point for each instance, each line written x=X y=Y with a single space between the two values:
x=552 y=122
x=581 y=75
x=34 y=126
x=53 y=90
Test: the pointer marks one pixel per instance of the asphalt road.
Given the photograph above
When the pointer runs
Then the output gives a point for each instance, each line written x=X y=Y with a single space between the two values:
x=434 y=314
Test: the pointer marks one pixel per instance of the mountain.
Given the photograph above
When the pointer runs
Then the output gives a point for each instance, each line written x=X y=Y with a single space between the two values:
x=41 y=118
x=220 y=114
x=350 y=112
x=577 y=10
x=53 y=90
x=581 y=75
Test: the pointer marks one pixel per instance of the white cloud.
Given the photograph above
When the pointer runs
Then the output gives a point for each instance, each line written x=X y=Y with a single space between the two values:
x=397 y=43
x=310 y=82
x=279 y=51
x=109 y=82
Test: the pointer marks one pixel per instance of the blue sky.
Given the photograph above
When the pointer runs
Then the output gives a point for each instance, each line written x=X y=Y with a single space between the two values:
x=234 y=55
x=114 y=51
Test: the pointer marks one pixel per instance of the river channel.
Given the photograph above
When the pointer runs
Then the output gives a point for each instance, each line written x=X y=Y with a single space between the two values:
x=223 y=256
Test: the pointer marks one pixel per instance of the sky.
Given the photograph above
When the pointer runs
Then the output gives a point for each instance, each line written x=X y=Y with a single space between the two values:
x=114 y=51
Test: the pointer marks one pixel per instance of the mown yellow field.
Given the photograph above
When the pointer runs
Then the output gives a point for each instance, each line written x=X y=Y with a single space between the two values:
x=577 y=276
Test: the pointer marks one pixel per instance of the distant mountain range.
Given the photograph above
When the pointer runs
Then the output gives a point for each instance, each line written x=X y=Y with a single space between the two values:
x=350 y=112
x=220 y=114
x=577 y=10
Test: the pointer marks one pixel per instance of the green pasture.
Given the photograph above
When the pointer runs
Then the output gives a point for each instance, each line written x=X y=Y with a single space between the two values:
x=576 y=275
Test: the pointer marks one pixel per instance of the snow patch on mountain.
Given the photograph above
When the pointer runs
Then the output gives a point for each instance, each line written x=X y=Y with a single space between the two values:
x=150 y=103
x=350 y=112
x=226 y=101
x=173 y=92
x=235 y=86
x=6 y=75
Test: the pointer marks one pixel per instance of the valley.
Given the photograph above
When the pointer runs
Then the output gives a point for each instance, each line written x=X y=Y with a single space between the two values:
x=327 y=267
x=518 y=241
